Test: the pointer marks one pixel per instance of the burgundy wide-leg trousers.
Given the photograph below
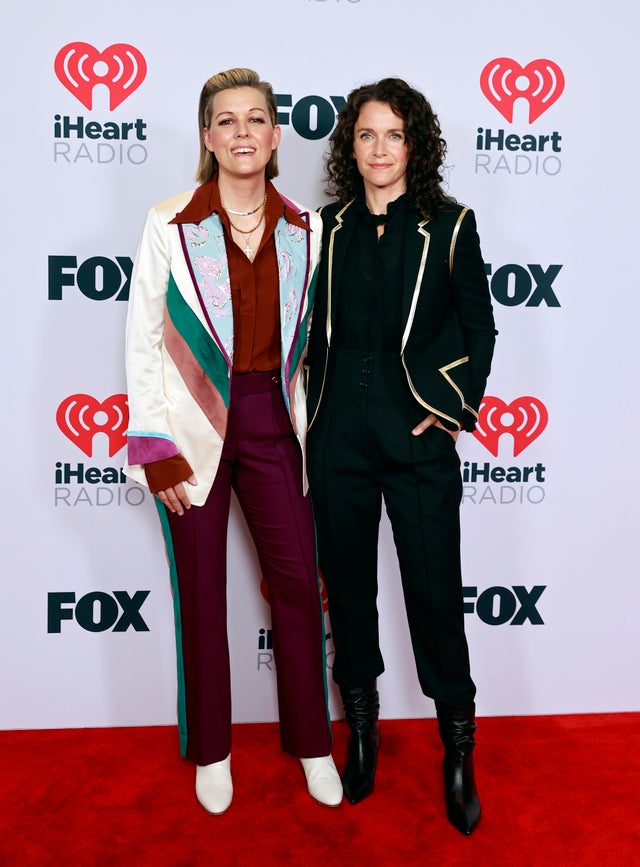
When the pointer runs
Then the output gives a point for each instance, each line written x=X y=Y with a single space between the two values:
x=261 y=461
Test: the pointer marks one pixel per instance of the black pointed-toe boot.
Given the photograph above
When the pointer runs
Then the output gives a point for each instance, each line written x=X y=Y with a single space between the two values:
x=361 y=708
x=457 y=728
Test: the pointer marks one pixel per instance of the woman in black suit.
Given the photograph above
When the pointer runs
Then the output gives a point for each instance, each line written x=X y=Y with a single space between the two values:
x=400 y=350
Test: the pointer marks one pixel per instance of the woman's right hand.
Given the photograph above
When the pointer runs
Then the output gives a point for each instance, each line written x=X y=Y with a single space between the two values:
x=176 y=498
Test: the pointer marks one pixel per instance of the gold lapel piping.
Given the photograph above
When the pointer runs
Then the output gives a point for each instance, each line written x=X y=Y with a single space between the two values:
x=407 y=331
x=445 y=372
x=335 y=229
x=417 y=285
x=329 y=295
x=454 y=238
x=423 y=403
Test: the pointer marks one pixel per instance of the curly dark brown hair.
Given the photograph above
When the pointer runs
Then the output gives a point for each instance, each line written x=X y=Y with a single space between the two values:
x=426 y=146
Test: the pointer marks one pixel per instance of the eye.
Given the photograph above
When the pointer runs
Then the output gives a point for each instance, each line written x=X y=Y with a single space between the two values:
x=365 y=135
x=226 y=121
x=256 y=120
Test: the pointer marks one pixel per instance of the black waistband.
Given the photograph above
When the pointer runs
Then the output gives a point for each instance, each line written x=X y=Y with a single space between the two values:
x=364 y=373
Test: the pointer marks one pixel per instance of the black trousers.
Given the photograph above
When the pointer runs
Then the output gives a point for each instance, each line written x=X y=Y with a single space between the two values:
x=360 y=452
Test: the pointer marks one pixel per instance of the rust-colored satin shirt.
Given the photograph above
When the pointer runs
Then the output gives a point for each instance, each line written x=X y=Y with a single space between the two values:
x=254 y=285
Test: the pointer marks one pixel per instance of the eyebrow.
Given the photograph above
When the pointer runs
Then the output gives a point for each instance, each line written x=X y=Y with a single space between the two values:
x=257 y=108
x=370 y=129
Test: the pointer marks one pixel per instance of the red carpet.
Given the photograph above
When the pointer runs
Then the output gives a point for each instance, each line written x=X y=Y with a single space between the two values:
x=560 y=790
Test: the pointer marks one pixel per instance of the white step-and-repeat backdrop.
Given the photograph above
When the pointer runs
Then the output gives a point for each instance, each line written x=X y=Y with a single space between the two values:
x=99 y=121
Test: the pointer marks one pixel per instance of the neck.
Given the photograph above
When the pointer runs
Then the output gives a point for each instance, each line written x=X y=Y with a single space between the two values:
x=241 y=194
x=378 y=199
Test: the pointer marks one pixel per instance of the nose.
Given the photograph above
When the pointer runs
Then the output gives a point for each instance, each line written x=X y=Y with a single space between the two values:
x=380 y=148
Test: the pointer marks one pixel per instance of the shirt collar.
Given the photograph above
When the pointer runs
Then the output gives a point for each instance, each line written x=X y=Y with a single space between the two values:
x=206 y=201
x=364 y=212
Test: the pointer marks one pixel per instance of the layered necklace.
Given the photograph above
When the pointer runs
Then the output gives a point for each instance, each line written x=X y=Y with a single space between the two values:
x=248 y=250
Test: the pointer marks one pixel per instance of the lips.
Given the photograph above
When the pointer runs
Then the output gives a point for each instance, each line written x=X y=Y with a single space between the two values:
x=243 y=150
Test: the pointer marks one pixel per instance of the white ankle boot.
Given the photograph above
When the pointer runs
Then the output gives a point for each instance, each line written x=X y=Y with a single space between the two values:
x=323 y=780
x=214 y=788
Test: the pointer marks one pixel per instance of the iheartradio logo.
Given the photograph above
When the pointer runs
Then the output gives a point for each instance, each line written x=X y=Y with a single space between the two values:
x=524 y=418
x=540 y=82
x=120 y=67
x=80 y=417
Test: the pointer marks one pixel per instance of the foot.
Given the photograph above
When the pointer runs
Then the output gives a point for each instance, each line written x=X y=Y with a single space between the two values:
x=359 y=772
x=214 y=788
x=463 y=804
x=457 y=731
x=361 y=707
x=323 y=780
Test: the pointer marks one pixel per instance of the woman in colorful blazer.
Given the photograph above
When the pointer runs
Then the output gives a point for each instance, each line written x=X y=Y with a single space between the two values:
x=221 y=295
x=399 y=355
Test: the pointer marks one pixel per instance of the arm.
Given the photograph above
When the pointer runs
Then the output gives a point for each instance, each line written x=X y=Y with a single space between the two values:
x=472 y=301
x=150 y=440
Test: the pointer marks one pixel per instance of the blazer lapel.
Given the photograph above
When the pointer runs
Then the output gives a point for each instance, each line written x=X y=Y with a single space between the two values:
x=293 y=256
x=206 y=256
x=337 y=245
x=416 y=250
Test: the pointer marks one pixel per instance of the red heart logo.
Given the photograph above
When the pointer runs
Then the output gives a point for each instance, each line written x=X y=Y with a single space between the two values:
x=121 y=67
x=78 y=418
x=524 y=418
x=540 y=82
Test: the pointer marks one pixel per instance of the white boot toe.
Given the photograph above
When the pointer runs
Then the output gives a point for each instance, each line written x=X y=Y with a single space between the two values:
x=323 y=780
x=214 y=788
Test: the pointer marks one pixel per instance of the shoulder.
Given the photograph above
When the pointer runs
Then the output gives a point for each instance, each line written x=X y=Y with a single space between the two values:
x=303 y=210
x=334 y=212
x=168 y=208
x=330 y=210
x=452 y=215
x=452 y=221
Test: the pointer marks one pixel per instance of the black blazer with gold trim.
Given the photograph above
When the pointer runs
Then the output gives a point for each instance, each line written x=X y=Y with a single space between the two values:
x=448 y=326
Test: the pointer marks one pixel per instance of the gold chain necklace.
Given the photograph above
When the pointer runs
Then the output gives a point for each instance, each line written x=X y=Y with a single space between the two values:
x=248 y=251
x=245 y=213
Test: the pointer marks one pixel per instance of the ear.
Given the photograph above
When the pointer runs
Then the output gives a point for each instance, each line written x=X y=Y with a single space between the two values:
x=276 y=136
x=206 y=138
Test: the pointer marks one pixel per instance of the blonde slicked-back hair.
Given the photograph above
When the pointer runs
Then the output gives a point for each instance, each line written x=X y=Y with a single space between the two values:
x=231 y=78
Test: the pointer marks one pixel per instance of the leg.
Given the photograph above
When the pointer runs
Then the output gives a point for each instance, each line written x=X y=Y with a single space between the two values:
x=422 y=496
x=268 y=481
x=347 y=509
x=424 y=511
x=196 y=543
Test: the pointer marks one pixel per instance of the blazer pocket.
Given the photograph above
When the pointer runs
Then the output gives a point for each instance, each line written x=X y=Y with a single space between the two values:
x=456 y=374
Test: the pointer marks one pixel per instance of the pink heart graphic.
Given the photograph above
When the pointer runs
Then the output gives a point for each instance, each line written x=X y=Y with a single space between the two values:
x=540 y=82
x=79 y=68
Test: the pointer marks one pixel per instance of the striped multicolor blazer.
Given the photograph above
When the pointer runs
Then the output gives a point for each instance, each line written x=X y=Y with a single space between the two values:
x=180 y=337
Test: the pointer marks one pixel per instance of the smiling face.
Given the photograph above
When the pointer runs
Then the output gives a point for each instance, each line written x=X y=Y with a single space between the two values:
x=240 y=134
x=380 y=149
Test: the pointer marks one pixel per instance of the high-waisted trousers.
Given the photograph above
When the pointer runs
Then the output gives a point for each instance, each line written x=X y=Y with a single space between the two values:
x=360 y=452
x=261 y=462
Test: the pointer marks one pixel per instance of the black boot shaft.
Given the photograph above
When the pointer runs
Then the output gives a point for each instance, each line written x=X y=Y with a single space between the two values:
x=362 y=708
x=457 y=732
x=457 y=728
